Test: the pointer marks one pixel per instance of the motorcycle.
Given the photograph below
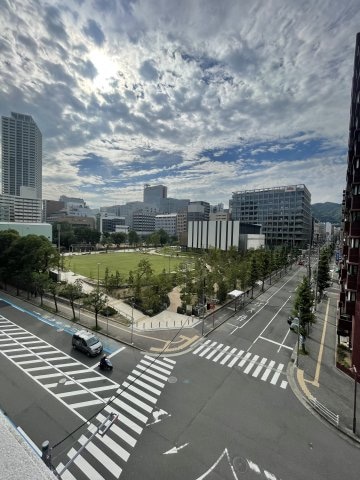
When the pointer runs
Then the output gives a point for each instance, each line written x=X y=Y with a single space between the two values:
x=105 y=364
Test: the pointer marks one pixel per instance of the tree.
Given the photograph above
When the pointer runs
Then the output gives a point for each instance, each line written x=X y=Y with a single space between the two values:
x=67 y=235
x=54 y=289
x=163 y=237
x=7 y=238
x=97 y=300
x=323 y=276
x=253 y=274
x=133 y=237
x=303 y=307
x=41 y=283
x=73 y=291
x=264 y=265
x=118 y=238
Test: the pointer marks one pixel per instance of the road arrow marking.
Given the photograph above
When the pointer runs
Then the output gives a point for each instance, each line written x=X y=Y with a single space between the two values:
x=175 y=449
x=157 y=414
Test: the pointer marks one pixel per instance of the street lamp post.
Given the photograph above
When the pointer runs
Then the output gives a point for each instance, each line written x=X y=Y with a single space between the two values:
x=132 y=320
x=354 y=415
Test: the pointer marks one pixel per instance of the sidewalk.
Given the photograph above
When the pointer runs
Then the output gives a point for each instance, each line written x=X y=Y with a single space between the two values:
x=317 y=380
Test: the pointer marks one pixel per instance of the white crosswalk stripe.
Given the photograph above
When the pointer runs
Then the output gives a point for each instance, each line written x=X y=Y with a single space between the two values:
x=246 y=361
x=79 y=388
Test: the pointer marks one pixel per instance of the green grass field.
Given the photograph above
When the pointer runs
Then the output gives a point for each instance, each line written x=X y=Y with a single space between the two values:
x=87 y=265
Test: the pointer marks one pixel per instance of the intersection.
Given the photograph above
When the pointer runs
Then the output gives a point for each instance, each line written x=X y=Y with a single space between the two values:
x=222 y=409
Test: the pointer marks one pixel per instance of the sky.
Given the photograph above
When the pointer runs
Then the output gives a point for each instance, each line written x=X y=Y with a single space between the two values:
x=207 y=97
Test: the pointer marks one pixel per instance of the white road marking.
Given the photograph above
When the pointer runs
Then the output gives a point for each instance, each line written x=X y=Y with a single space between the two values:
x=276 y=343
x=235 y=359
x=87 y=469
x=259 y=367
x=267 y=371
x=104 y=459
x=277 y=374
x=119 y=432
x=215 y=350
x=136 y=401
x=244 y=360
x=252 y=363
x=224 y=360
x=224 y=350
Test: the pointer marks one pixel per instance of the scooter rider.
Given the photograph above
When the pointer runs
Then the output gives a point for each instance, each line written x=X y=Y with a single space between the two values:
x=103 y=361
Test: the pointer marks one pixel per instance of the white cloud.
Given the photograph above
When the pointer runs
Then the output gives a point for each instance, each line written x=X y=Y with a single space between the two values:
x=183 y=78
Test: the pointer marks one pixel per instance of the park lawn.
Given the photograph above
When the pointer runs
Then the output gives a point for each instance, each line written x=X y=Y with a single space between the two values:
x=124 y=262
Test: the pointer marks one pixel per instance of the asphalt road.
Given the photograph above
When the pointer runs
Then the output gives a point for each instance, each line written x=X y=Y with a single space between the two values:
x=224 y=410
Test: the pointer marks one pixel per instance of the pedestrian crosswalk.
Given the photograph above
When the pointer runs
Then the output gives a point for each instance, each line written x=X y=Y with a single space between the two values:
x=83 y=391
x=250 y=364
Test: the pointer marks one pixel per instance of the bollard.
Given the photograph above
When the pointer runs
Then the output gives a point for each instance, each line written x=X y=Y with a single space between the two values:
x=46 y=453
x=159 y=324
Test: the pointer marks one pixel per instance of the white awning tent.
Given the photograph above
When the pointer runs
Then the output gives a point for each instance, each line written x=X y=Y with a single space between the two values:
x=235 y=293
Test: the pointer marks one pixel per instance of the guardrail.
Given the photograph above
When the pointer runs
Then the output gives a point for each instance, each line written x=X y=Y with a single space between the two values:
x=325 y=412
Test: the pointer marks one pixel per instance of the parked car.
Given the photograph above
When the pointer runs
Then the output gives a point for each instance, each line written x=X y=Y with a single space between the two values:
x=300 y=262
x=294 y=324
x=87 y=342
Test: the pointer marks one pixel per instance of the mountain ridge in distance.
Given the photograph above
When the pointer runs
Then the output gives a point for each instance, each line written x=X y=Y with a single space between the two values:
x=327 y=212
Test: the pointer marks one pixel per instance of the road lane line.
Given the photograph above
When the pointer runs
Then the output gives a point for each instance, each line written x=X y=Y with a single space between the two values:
x=321 y=349
x=266 y=326
x=84 y=404
x=276 y=343
x=267 y=302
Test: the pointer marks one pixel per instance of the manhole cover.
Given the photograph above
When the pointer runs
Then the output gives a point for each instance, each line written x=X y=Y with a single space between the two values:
x=239 y=464
x=62 y=380
x=172 y=379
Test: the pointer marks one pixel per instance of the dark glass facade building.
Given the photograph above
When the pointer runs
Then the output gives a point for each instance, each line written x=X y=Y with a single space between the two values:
x=283 y=212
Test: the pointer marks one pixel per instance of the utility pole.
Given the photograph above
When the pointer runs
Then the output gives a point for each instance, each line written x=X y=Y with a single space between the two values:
x=132 y=320
x=354 y=415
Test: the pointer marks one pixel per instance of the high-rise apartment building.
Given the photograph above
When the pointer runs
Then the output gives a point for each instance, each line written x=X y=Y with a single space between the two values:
x=21 y=153
x=349 y=304
x=283 y=212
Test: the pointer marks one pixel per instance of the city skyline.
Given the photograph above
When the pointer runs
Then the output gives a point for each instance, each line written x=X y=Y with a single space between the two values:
x=206 y=99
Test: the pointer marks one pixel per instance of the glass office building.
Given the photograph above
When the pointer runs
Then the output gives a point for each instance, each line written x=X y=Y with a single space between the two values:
x=283 y=212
